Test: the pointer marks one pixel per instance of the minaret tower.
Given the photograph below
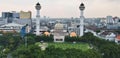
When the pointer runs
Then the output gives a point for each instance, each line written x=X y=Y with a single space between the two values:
x=82 y=7
x=38 y=7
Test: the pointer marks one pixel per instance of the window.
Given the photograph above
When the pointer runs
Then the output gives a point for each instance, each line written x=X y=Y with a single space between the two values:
x=59 y=39
x=118 y=41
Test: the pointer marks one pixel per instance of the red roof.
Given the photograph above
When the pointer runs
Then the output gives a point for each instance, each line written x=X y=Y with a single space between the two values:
x=118 y=37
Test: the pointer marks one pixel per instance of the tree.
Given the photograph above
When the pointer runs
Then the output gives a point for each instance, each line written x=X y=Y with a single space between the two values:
x=44 y=38
x=110 y=51
x=52 y=52
x=74 y=53
x=71 y=39
x=97 y=31
x=91 y=53
x=32 y=51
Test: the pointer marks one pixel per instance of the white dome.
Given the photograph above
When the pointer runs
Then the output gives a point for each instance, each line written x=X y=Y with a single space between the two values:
x=59 y=26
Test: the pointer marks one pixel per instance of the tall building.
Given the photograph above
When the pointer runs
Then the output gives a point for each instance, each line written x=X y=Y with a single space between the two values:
x=10 y=16
x=110 y=20
x=25 y=15
x=16 y=14
x=38 y=7
x=116 y=19
x=82 y=7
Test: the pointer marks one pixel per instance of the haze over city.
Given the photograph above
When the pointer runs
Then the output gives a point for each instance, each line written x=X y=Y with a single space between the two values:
x=64 y=8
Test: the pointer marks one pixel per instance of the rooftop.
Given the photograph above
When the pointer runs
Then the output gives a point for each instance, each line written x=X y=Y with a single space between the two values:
x=118 y=37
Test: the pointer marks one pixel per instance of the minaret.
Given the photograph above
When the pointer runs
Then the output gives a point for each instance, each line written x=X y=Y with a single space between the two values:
x=82 y=7
x=38 y=7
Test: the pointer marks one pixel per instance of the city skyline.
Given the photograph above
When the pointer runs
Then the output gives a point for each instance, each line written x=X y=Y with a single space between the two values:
x=64 y=8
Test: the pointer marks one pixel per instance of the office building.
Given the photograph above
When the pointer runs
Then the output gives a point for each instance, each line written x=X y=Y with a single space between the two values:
x=25 y=15
x=10 y=16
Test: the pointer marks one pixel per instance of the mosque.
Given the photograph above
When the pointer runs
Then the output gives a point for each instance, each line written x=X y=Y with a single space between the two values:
x=58 y=31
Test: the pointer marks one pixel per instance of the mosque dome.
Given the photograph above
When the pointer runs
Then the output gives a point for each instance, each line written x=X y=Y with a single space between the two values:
x=73 y=34
x=59 y=26
x=38 y=6
x=38 y=3
x=46 y=33
x=82 y=7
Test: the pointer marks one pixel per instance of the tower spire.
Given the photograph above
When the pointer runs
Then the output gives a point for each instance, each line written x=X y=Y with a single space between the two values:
x=38 y=7
x=82 y=8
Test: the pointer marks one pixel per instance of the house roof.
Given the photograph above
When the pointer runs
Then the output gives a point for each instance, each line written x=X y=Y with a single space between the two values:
x=111 y=35
x=11 y=24
x=118 y=37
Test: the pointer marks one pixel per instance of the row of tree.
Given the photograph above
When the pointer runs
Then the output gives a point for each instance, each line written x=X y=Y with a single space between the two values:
x=106 y=48
x=8 y=43
x=101 y=48
x=34 y=51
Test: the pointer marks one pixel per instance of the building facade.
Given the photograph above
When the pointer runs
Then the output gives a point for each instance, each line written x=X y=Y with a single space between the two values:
x=25 y=15
x=10 y=16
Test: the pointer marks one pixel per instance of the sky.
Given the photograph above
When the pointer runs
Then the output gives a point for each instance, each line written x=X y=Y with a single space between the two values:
x=64 y=8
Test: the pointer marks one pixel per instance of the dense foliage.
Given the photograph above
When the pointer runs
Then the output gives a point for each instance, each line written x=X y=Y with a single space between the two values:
x=8 y=42
x=72 y=39
x=14 y=44
x=34 y=51
x=44 y=38
x=106 y=48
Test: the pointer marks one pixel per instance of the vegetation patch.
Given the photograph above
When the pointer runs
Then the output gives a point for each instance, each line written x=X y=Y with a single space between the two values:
x=81 y=46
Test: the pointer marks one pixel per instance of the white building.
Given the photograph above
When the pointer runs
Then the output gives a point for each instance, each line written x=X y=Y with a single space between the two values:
x=107 y=35
x=22 y=21
x=82 y=8
x=11 y=27
x=38 y=7
x=117 y=40
x=59 y=33
x=110 y=37
x=116 y=20
x=42 y=30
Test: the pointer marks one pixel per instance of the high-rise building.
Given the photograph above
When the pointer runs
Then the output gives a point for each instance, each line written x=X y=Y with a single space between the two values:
x=10 y=16
x=25 y=15
x=16 y=14
x=110 y=20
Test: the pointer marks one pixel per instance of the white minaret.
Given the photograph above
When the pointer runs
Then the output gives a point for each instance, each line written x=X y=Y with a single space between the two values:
x=38 y=7
x=82 y=7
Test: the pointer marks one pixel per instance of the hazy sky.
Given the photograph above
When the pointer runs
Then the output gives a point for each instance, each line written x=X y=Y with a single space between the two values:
x=64 y=8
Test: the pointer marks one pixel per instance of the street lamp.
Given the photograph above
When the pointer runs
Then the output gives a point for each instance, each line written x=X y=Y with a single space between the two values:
x=25 y=41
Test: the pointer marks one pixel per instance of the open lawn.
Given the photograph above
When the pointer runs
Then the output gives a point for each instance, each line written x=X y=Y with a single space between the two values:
x=82 y=46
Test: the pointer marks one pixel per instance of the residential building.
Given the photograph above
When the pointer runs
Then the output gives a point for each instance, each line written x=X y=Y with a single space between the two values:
x=117 y=40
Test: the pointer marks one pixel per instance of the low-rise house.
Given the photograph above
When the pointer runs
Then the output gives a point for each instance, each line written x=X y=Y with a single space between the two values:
x=117 y=39
x=11 y=27
x=108 y=35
